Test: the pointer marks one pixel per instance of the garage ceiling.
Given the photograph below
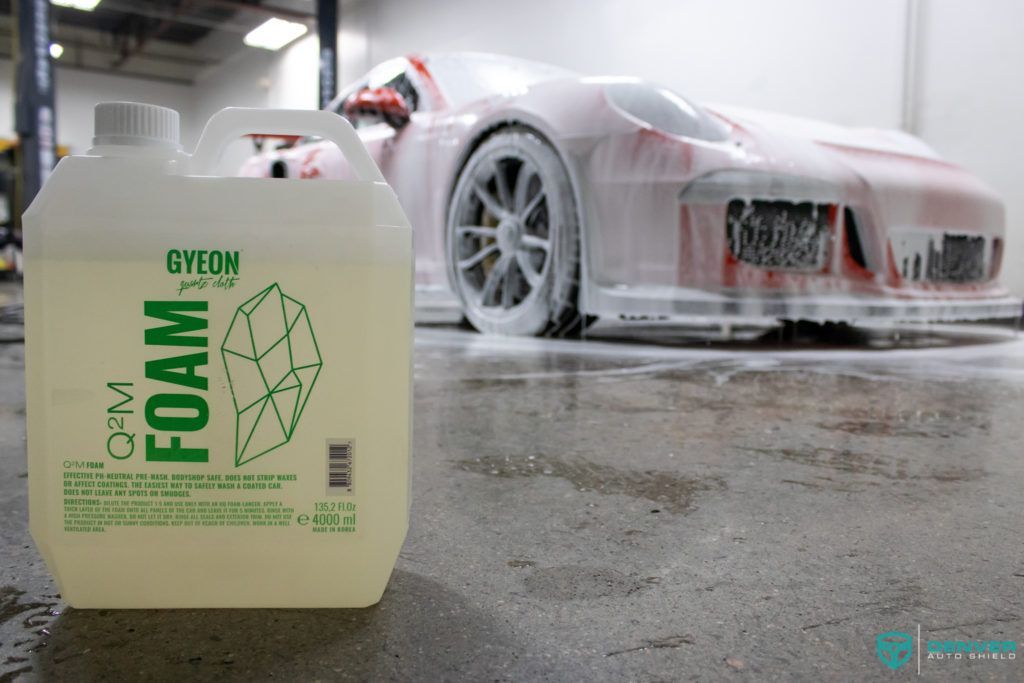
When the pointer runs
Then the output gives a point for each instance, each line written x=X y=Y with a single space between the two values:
x=167 y=40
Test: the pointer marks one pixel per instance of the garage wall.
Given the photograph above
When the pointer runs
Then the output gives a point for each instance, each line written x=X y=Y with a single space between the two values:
x=830 y=59
x=760 y=54
x=970 y=101
x=79 y=91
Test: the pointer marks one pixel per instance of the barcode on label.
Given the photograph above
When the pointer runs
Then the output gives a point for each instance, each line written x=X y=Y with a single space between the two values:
x=340 y=458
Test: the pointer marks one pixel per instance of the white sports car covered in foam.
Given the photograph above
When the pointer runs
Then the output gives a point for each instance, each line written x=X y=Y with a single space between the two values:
x=541 y=199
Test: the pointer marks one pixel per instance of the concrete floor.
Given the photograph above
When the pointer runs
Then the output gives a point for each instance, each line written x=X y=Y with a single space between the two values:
x=619 y=510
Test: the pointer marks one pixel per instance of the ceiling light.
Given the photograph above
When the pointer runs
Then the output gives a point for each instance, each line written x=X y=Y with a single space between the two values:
x=273 y=34
x=56 y=50
x=84 y=5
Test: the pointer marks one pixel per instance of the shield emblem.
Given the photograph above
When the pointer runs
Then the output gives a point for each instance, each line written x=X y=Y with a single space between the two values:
x=894 y=648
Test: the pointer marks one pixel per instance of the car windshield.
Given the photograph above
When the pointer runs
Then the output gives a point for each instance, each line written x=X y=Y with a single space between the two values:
x=464 y=78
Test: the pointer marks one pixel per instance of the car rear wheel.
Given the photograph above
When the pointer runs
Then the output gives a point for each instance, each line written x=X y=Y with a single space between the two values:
x=513 y=238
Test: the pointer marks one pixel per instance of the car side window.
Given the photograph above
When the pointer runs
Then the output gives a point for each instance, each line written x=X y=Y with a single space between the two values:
x=406 y=89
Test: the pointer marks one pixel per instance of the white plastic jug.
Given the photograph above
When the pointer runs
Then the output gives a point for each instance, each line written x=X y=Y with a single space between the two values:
x=218 y=371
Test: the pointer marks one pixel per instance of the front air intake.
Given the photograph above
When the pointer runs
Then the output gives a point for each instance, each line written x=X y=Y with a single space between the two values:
x=941 y=257
x=779 y=234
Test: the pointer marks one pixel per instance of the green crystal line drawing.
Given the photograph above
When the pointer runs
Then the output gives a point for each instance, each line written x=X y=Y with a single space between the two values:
x=272 y=361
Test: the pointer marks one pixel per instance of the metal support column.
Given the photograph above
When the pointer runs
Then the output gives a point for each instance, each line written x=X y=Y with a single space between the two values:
x=327 y=28
x=34 y=119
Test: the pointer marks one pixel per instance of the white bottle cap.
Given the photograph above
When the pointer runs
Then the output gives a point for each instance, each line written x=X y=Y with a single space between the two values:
x=134 y=123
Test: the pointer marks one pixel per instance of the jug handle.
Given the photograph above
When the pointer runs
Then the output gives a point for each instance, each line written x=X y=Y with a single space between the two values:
x=231 y=123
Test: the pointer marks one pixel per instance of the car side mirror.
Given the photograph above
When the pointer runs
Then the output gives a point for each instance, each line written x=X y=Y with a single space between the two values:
x=385 y=104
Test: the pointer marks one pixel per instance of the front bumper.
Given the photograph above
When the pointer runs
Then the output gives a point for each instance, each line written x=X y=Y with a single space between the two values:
x=692 y=305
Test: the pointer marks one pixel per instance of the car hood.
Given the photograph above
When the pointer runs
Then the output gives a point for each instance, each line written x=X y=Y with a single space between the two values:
x=814 y=130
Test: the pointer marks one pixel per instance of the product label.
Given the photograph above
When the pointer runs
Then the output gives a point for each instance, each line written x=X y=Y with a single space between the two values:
x=209 y=409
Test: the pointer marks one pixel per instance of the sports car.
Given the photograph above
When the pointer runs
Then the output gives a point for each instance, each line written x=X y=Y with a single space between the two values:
x=542 y=199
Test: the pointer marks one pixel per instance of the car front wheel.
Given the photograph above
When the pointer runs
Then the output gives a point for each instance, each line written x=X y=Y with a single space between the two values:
x=513 y=238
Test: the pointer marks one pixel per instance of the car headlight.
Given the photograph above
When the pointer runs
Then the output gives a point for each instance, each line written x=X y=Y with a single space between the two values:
x=664 y=110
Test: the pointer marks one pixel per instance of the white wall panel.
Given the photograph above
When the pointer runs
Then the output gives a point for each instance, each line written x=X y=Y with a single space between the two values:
x=971 y=101
x=840 y=60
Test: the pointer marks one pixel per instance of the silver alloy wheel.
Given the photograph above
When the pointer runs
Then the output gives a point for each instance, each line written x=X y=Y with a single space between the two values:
x=512 y=236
